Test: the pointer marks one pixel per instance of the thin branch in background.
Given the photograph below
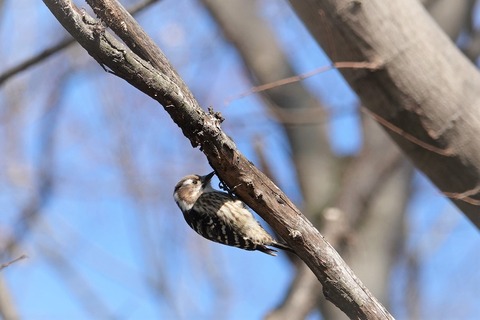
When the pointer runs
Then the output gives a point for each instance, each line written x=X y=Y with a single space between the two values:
x=303 y=76
x=39 y=57
x=44 y=182
x=7 y=264
x=444 y=152
x=465 y=196
x=62 y=44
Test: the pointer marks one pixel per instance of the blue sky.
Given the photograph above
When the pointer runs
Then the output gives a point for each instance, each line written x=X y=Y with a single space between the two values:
x=89 y=239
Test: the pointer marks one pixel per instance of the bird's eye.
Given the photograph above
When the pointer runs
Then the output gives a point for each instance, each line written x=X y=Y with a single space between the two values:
x=195 y=181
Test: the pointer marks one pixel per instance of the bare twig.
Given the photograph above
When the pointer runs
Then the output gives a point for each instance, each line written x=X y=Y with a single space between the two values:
x=7 y=264
x=65 y=43
x=306 y=75
x=406 y=135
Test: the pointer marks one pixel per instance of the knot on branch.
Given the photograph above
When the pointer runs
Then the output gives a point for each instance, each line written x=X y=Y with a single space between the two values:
x=216 y=115
x=294 y=234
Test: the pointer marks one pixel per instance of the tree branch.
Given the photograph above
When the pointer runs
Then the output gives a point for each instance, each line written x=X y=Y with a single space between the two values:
x=424 y=86
x=62 y=44
x=203 y=130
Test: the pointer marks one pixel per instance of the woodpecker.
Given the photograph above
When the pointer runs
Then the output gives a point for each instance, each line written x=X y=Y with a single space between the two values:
x=219 y=217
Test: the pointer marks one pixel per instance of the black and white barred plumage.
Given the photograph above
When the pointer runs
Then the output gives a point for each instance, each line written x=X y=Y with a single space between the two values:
x=219 y=217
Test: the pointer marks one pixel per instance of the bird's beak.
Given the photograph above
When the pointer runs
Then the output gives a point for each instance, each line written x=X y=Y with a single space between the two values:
x=206 y=179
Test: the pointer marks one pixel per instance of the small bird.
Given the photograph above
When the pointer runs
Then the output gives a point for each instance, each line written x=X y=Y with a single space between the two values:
x=219 y=217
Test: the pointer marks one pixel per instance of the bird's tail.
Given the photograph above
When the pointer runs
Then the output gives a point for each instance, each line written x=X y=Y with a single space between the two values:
x=283 y=246
x=266 y=250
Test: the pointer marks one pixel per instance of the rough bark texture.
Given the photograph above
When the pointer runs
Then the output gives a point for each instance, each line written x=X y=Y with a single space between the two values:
x=161 y=83
x=319 y=172
x=299 y=112
x=425 y=90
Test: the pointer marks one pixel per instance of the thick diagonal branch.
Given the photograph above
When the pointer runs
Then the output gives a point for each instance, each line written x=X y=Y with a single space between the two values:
x=341 y=286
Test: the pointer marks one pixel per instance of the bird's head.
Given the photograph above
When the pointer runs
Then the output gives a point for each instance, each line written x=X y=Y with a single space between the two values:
x=189 y=188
